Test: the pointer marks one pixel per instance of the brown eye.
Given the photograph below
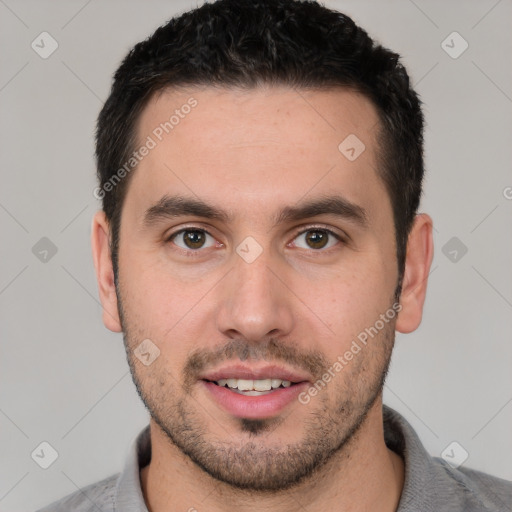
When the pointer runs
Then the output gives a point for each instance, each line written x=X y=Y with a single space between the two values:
x=316 y=239
x=192 y=239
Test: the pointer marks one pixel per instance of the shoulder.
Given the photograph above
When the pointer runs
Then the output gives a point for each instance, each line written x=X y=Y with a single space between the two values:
x=433 y=485
x=97 y=497
x=474 y=490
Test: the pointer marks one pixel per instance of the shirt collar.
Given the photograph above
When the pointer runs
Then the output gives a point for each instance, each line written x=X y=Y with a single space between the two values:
x=420 y=467
x=128 y=496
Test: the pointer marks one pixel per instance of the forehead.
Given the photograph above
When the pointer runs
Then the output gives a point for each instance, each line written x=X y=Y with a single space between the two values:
x=263 y=111
x=252 y=147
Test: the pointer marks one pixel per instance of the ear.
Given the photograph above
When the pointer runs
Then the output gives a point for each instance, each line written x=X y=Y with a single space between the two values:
x=104 y=271
x=420 y=251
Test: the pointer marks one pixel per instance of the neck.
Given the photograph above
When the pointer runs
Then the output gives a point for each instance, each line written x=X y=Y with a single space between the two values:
x=363 y=475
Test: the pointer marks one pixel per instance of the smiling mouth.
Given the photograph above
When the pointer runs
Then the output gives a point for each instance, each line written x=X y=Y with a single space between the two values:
x=253 y=387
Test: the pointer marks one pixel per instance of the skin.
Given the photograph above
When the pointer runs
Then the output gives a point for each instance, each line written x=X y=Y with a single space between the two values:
x=252 y=153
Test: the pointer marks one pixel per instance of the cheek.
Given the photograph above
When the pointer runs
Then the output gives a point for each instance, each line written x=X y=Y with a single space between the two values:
x=149 y=283
x=344 y=303
x=172 y=312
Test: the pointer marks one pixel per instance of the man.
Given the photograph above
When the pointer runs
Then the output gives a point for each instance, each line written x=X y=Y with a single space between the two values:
x=260 y=165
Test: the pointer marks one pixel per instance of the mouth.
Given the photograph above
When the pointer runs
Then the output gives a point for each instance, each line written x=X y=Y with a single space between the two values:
x=253 y=387
x=254 y=393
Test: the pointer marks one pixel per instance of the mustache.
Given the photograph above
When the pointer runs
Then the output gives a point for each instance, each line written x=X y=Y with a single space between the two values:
x=271 y=350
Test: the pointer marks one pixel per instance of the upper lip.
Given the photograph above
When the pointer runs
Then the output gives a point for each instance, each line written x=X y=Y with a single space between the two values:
x=239 y=371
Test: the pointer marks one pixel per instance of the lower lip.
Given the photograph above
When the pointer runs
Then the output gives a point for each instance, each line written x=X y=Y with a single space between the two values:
x=255 y=407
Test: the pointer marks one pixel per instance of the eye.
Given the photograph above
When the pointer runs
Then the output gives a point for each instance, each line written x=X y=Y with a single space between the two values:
x=192 y=239
x=316 y=239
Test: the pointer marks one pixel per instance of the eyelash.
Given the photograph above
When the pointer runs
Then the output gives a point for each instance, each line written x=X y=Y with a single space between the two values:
x=197 y=252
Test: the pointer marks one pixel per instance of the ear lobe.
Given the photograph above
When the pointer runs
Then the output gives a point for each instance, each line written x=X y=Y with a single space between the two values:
x=420 y=251
x=104 y=271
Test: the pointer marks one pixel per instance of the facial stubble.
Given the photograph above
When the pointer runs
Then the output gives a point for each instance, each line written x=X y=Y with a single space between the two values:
x=253 y=463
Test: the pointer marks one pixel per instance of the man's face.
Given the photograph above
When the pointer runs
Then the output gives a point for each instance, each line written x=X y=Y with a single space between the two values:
x=264 y=289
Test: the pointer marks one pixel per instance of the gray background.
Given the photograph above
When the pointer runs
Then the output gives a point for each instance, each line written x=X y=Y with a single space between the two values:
x=64 y=378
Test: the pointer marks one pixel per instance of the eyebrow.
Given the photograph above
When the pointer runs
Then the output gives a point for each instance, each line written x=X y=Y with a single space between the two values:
x=337 y=206
x=169 y=207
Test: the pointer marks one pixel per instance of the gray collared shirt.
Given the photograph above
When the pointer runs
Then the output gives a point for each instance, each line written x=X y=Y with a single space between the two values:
x=431 y=484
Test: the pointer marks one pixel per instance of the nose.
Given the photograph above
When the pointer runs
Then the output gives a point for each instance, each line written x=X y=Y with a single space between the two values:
x=255 y=304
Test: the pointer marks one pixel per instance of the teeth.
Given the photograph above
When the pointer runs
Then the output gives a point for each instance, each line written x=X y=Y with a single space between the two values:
x=262 y=385
x=254 y=385
x=245 y=385
x=276 y=383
